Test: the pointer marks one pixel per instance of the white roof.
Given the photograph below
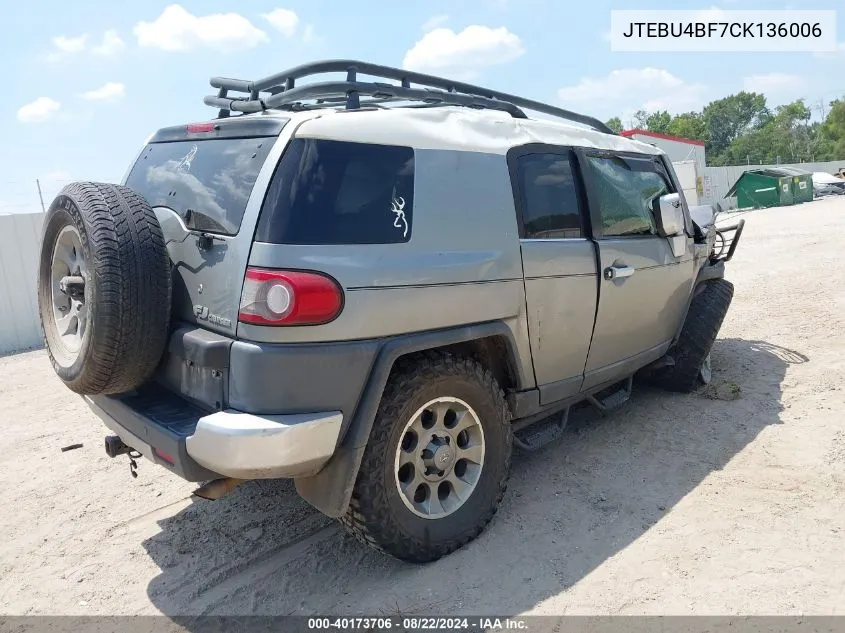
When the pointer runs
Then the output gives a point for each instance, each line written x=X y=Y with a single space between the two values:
x=454 y=128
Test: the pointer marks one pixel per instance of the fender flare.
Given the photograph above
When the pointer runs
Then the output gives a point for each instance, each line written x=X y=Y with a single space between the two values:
x=707 y=273
x=331 y=489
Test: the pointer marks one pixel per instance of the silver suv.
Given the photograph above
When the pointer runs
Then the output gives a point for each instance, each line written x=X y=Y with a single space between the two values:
x=375 y=286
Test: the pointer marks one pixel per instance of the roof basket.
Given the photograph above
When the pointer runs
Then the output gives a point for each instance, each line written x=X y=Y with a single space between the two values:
x=281 y=91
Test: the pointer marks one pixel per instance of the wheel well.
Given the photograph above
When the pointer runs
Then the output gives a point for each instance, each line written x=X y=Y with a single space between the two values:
x=492 y=352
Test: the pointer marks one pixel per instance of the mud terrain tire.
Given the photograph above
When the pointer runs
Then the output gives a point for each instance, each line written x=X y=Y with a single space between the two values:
x=377 y=514
x=104 y=288
x=706 y=313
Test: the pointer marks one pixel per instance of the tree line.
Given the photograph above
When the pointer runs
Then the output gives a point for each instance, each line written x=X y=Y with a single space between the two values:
x=742 y=129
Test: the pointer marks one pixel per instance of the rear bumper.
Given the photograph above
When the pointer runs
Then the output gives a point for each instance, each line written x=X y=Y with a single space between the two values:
x=251 y=446
x=198 y=445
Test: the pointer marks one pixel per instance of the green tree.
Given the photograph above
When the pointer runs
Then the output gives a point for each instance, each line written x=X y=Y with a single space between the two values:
x=832 y=131
x=729 y=118
x=786 y=137
x=689 y=125
x=640 y=119
x=658 y=122
x=741 y=128
x=614 y=124
x=793 y=122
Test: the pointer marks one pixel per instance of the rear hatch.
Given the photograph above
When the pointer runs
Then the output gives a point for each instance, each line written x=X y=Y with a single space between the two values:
x=206 y=183
x=201 y=181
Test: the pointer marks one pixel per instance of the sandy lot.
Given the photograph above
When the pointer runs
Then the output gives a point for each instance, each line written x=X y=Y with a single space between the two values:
x=676 y=504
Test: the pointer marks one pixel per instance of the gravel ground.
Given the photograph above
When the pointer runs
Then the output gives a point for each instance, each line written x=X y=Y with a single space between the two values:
x=675 y=504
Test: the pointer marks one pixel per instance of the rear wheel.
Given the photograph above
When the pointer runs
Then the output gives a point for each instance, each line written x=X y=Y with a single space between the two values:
x=692 y=351
x=436 y=466
x=103 y=288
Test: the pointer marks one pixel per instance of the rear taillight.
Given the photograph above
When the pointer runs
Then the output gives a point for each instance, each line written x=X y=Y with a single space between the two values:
x=165 y=456
x=284 y=297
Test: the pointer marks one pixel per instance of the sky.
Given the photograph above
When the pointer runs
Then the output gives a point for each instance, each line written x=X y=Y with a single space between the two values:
x=85 y=83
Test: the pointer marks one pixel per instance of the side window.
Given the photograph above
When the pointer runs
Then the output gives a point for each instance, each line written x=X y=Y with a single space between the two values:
x=550 y=205
x=334 y=192
x=627 y=189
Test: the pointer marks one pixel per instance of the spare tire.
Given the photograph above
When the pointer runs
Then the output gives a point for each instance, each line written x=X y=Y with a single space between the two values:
x=103 y=288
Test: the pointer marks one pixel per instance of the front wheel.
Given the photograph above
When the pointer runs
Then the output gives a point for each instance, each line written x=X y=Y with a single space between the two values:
x=436 y=466
x=692 y=351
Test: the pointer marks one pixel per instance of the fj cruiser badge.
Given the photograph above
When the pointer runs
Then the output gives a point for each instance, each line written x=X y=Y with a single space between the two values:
x=203 y=314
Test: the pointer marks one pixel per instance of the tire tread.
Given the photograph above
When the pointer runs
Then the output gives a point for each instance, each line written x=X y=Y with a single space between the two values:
x=366 y=517
x=130 y=313
x=704 y=319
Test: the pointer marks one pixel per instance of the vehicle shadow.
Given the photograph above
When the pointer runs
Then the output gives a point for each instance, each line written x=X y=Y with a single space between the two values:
x=569 y=508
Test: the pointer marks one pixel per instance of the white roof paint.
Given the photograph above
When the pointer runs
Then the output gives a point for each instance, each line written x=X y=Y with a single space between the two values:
x=451 y=128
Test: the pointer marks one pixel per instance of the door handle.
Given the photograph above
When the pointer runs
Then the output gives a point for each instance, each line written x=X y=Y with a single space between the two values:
x=618 y=272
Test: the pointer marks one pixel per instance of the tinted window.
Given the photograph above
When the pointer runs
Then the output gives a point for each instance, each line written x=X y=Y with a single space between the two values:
x=627 y=190
x=332 y=192
x=549 y=196
x=213 y=177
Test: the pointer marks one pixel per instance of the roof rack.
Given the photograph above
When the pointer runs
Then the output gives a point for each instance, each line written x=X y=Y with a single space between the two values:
x=280 y=91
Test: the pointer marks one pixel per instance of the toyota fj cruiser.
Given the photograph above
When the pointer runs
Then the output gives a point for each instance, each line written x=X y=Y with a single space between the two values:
x=375 y=285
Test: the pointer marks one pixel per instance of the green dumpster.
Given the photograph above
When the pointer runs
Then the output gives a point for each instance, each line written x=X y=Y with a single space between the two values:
x=802 y=188
x=785 y=191
x=772 y=187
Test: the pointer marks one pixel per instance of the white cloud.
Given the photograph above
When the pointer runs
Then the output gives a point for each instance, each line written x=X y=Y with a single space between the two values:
x=70 y=44
x=178 y=30
x=435 y=21
x=284 y=21
x=775 y=84
x=109 y=92
x=624 y=91
x=39 y=111
x=443 y=50
x=110 y=46
x=64 y=46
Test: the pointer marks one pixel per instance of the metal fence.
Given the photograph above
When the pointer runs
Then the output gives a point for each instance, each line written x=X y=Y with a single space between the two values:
x=717 y=181
x=20 y=242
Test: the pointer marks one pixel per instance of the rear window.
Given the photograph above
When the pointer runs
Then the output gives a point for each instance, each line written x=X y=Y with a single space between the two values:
x=334 y=192
x=207 y=182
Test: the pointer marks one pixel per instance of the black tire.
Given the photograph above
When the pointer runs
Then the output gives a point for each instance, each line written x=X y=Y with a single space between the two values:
x=127 y=289
x=707 y=311
x=377 y=515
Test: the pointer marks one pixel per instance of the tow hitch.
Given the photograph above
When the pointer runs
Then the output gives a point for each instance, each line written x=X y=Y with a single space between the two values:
x=115 y=446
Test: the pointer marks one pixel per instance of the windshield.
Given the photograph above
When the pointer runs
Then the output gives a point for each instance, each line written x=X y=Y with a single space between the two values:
x=208 y=180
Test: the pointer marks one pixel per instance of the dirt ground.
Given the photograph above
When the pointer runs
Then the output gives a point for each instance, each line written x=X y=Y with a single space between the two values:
x=675 y=504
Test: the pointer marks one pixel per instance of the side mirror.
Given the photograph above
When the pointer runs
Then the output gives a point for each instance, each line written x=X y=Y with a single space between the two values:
x=670 y=215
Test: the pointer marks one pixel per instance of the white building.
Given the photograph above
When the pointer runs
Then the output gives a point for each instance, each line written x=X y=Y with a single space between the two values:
x=687 y=156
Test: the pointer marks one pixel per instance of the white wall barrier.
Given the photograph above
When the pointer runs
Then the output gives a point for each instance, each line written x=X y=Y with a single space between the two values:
x=20 y=242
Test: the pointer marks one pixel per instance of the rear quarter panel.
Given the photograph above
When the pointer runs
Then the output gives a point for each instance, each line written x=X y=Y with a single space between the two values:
x=462 y=264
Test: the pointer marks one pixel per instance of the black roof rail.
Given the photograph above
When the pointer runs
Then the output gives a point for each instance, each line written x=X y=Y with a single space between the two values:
x=281 y=91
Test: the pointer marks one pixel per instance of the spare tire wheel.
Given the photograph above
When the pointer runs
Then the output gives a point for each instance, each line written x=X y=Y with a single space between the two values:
x=103 y=288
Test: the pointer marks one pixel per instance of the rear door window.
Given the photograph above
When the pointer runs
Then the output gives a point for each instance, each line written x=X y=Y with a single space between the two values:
x=549 y=196
x=207 y=182
x=334 y=192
